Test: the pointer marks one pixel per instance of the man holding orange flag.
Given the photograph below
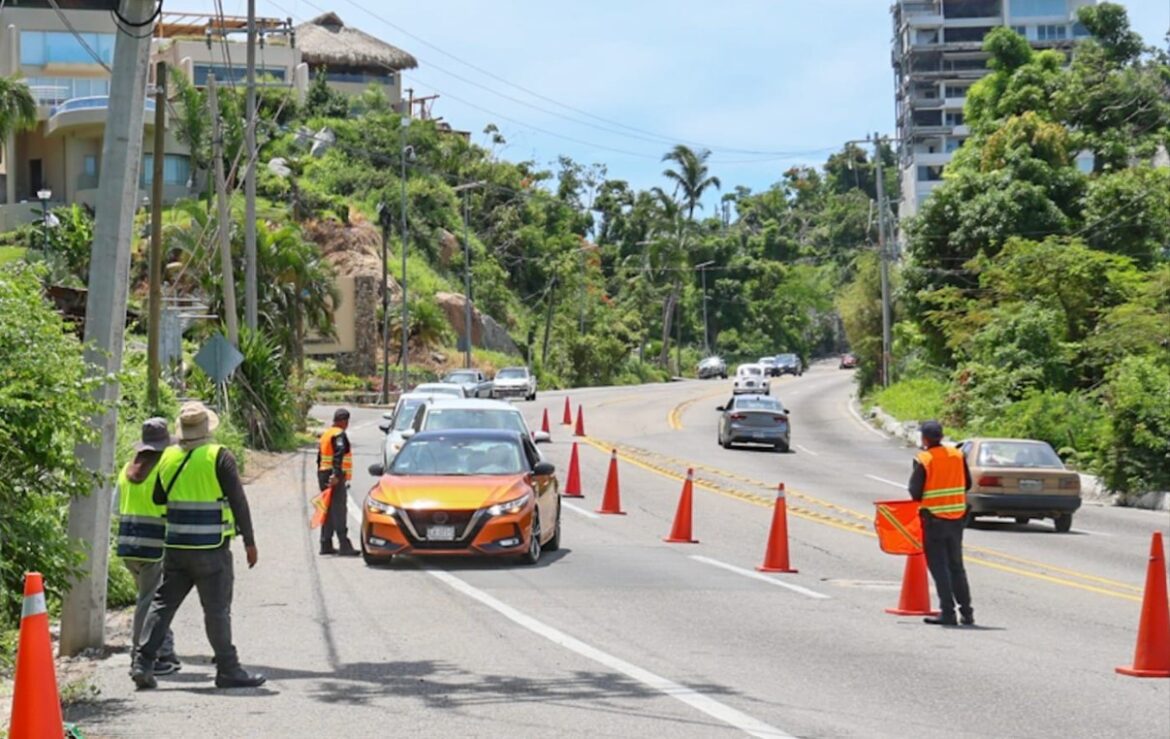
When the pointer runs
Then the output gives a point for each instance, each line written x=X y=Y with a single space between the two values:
x=940 y=481
x=334 y=470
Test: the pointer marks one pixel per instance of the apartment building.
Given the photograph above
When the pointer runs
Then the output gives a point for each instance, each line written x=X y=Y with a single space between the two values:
x=937 y=56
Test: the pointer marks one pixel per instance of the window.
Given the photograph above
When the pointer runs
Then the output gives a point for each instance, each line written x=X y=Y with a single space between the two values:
x=930 y=174
x=1051 y=33
x=972 y=8
x=1040 y=8
x=234 y=73
x=954 y=119
x=957 y=91
x=1022 y=30
x=952 y=145
x=89 y=165
x=176 y=169
x=56 y=90
x=957 y=35
x=361 y=78
x=1079 y=31
x=42 y=48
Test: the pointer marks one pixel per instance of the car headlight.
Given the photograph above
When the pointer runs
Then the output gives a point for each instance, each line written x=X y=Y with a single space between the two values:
x=510 y=506
x=373 y=505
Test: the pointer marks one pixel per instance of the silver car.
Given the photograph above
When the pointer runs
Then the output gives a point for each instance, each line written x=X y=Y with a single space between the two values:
x=475 y=383
x=514 y=382
x=712 y=367
x=754 y=419
x=447 y=414
x=396 y=423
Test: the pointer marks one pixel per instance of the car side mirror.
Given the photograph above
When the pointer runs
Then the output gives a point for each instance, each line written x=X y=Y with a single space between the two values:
x=541 y=437
x=377 y=470
x=408 y=433
x=544 y=469
x=720 y=408
x=384 y=426
x=788 y=411
x=388 y=415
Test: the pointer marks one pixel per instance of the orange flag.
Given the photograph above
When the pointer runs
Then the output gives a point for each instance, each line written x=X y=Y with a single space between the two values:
x=320 y=507
x=898 y=526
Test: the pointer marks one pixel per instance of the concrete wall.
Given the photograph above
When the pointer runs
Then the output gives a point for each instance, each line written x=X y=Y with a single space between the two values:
x=344 y=314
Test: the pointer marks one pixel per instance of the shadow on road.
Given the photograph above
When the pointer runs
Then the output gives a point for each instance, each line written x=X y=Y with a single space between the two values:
x=472 y=564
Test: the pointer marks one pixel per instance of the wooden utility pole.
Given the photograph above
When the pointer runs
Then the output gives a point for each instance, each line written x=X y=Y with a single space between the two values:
x=225 y=226
x=153 y=365
x=83 y=613
x=250 y=287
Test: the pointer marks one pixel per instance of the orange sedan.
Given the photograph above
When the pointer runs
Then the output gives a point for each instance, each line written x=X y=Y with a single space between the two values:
x=465 y=492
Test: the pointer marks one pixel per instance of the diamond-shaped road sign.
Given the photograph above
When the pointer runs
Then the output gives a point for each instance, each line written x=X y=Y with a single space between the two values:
x=218 y=358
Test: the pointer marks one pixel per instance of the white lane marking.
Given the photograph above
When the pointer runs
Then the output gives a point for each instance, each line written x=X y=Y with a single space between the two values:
x=806 y=450
x=578 y=509
x=900 y=485
x=853 y=412
x=759 y=576
x=713 y=708
x=1079 y=530
x=355 y=510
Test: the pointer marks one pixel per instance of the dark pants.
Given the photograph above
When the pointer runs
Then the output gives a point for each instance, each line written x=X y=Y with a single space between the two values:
x=943 y=543
x=336 y=520
x=147 y=576
x=210 y=572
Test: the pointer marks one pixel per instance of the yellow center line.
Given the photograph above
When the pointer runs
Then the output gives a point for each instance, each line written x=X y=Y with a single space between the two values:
x=633 y=458
x=674 y=418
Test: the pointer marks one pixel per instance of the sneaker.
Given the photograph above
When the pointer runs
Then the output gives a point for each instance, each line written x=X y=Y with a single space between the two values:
x=239 y=678
x=167 y=667
x=967 y=617
x=143 y=677
x=328 y=549
x=347 y=549
x=946 y=619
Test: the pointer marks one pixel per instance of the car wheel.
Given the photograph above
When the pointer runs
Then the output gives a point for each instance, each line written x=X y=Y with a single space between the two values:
x=781 y=447
x=532 y=556
x=555 y=542
x=1063 y=523
x=1023 y=520
x=724 y=375
x=373 y=561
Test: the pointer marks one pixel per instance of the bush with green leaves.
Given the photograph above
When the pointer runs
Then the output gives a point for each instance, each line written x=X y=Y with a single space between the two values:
x=1137 y=397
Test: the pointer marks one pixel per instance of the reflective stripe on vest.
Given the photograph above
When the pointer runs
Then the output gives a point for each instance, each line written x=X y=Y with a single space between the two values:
x=325 y=453
x=945 y=493
x=141 y=524
x=198 y=514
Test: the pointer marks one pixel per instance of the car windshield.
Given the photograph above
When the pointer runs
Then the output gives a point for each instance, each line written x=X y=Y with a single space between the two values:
x=750 y=370
x=444 y=419
x=1035 y=454
x=460 y=377
x=436 y=388
x=459 y=456
x=710 y=361
x=786 y=358
x=512 y=374
x=404 y=416
x=766 y=360
x=757 y=403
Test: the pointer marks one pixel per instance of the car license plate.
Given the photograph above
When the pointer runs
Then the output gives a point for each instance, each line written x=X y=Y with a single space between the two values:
x=440 y=533
x=758 y=434
x=1031 y=486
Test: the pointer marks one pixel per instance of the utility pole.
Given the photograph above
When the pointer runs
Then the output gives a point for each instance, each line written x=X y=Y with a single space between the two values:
x=678 y=338
x=250 y=299
x=225 y=226
x=153 y=369
x=385 y=222
x=884 y=257
x=548 y=322
x=83 y=614
x=405 y=237
x=467 y=331
x=706 y=333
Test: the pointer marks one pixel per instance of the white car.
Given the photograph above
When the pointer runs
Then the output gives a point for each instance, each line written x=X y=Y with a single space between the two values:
x=514 y=382
x=443 y=414
x=442 y=389
x=395 y=423
x=751 y=378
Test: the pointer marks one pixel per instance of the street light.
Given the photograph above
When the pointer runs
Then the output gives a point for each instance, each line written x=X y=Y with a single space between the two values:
x=464 y=188
x=45 y=195
x=706 y=334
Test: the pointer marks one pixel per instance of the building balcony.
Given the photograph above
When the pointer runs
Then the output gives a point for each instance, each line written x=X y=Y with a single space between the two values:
x=87 y=111
x=935 y=159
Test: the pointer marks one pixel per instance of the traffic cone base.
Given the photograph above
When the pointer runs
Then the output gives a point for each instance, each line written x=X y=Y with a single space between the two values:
x=611 y=502
x=680 y=532
x=1151 y=657
x=36 y=705
x=573 y=480
x=915 y=597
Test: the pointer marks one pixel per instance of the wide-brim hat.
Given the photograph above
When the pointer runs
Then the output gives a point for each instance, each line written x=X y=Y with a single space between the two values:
x=196 y=422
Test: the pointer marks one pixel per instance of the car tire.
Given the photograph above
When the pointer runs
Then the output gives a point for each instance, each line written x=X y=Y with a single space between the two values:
x=555 y=542
x=724 y=375
x=780 y=448
x=1063 y=523
x=532 y=556
x=1023 y=520
x=374 y=561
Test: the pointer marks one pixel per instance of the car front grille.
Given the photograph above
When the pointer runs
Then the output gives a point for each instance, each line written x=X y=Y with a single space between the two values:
x=465 y=523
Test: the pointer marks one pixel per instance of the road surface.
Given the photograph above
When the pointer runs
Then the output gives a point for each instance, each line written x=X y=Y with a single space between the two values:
x=620 y=634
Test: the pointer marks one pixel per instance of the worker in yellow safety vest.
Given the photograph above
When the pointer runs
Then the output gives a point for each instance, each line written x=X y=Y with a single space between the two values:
x=334 y=471
x=940 y=481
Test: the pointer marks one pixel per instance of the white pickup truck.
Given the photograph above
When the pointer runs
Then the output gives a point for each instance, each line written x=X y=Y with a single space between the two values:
x=514 y=382
x=475 y=383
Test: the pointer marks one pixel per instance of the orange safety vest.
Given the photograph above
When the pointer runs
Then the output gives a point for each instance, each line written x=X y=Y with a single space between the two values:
x=325 y=453
x=945 y=493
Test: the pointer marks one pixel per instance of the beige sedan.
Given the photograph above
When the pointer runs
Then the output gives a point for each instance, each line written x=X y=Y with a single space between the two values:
x=1021 y=479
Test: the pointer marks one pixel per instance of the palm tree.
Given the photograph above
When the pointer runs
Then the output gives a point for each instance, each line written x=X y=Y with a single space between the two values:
x=691 y=178
x=18 y=109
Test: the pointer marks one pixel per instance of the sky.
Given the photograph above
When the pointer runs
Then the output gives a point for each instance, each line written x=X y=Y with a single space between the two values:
x=763 y=84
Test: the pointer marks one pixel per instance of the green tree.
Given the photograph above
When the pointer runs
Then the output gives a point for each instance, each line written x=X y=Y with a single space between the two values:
x=690 y=175
x=18 y=109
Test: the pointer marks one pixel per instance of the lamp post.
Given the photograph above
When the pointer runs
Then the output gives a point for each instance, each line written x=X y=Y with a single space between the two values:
x=405 y=311
x=45 y=195
x=467 y=333
x=706 y=334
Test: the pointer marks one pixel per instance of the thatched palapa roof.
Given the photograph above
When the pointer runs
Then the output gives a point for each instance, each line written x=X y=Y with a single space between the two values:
x=326 y=41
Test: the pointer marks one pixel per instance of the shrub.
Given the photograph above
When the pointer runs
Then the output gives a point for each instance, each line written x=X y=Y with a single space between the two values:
x=914 y=399
x=1075 y=424
x=260 y=401
x=1138 y=401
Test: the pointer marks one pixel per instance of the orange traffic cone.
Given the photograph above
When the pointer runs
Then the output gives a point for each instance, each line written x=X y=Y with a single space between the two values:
x=680 y=533
x=776 y=556
x=567 y=419
x=36 y=707
x=580 y=430
x=573 y=481
x=544 y=422
x=915 y=597
x=1151 y=658
x=611 y=503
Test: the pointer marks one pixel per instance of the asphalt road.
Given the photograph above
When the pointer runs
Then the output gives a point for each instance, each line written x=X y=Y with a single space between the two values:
x=621 y=634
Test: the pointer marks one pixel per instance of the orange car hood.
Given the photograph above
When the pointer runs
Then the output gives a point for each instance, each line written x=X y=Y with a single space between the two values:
x=451 y=493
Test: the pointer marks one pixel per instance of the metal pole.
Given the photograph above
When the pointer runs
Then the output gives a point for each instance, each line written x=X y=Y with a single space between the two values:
x=706 y=334
x=883 y=254
x=83 y=614
x=405 y=309
x=384 y=219
x=45 y=227
x=250 y=287
x=225 y=226
x=467 y=330
x=153 y=369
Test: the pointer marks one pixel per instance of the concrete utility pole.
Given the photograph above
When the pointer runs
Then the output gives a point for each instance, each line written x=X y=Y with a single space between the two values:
x=464 y=188
x=153 y=368
x=250 y=299
x=405 y=310
x=706 y=333
x=83 y=615
x=225 y=225
x=384 y=220
x=884 y=256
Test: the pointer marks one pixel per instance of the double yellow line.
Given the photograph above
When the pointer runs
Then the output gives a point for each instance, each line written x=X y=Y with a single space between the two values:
x=856 y=522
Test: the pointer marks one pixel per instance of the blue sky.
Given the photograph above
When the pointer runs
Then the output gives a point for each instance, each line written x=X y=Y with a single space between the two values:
x=791 y=78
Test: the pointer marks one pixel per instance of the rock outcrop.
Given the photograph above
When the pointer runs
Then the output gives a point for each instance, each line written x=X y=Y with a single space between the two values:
x=486 y=332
